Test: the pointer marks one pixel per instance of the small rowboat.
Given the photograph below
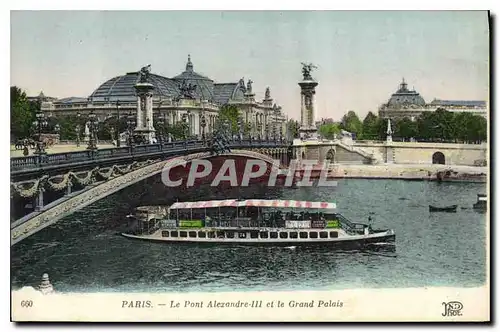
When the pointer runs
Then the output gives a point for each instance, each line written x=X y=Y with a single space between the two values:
x=451 y=208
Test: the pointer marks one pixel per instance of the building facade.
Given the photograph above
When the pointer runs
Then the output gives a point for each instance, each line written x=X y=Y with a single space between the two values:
x=406 y=103
x=188 y=97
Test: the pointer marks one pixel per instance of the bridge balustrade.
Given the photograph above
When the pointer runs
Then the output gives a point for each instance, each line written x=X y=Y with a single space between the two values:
x=35 y=161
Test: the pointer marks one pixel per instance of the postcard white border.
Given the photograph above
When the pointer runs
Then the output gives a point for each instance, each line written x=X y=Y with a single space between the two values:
x=255 y=4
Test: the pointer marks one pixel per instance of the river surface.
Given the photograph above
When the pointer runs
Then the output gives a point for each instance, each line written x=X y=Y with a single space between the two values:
x=83 y=253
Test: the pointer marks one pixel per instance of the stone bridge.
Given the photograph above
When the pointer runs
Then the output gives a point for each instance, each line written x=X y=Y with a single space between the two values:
x=72 y=181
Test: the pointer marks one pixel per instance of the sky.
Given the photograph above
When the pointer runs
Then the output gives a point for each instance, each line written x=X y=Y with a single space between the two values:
x=361 y=56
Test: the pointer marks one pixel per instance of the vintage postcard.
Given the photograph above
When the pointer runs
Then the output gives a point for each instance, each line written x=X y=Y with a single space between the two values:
x=250 y=166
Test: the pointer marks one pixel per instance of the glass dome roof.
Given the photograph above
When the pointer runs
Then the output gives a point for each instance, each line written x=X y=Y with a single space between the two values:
x=122 y=88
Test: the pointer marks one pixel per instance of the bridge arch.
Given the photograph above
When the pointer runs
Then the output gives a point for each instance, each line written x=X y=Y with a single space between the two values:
x=438 y=158
x=112 y=185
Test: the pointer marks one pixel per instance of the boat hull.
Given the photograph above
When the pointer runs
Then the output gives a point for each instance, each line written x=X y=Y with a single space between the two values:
x=384 y=239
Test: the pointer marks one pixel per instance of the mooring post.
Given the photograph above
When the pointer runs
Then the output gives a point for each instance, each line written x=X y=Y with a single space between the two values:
x=45 y=286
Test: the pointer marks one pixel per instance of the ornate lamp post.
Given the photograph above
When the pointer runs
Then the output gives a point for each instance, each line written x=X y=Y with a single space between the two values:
x=160 y=129
x=78 y=129
x=240 y=128
x=112 y=132
x=275 y=134
x=185 y=125
x=93 y=124
x=39 y=125
x=118 y=139
x=57 y=129
x=203 y=124
x=149 y=139
x=130 y=129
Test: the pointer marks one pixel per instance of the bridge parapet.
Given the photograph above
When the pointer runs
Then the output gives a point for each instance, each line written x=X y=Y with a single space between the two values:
x=19 y=165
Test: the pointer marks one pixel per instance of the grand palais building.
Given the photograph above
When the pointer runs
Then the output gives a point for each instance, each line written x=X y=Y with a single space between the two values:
x=188 y=97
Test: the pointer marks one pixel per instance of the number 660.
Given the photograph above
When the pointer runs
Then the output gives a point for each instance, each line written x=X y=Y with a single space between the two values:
x=27 y=304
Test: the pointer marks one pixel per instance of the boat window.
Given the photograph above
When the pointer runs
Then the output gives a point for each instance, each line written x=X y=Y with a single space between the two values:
x=254 y=235
x=192 y=234
x=264 y=235
x=313 y=235
x=211 y=235
x=183 y=234
x=202 y=234
x=165 y=233
x=242 y=235
x=174 y=234
x=273 y=235
x=220 y=235
x=283 y=235
x=230 y=235
x=323 y=235
x=294 y=235
x=303 y=235
x=334 y=234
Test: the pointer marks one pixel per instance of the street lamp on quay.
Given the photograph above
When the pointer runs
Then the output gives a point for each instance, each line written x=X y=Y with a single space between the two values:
x=93 y=124
x=39 y=125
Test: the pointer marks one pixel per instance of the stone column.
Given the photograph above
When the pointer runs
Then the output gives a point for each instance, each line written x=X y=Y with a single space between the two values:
x=138 y=122
x=144 y=127
x=307 y=111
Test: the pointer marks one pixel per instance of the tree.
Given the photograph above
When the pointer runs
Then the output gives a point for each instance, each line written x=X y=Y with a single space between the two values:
x=293 y=128
x=477 y=128
x=22 y=113
x=177 y=130
x=405 y=128
x=352 y=124
x=230 y=113
x=370 y=126
x=329 y=130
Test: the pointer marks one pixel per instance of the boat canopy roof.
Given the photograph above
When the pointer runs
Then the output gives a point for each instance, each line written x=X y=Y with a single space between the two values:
x=254 y=203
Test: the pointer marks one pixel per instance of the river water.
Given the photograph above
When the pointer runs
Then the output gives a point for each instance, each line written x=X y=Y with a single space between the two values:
x=83 y=253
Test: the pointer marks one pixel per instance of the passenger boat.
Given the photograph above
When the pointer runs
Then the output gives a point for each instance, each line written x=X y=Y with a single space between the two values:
x=481 y=204
x=254 y=222
x=451 y=208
